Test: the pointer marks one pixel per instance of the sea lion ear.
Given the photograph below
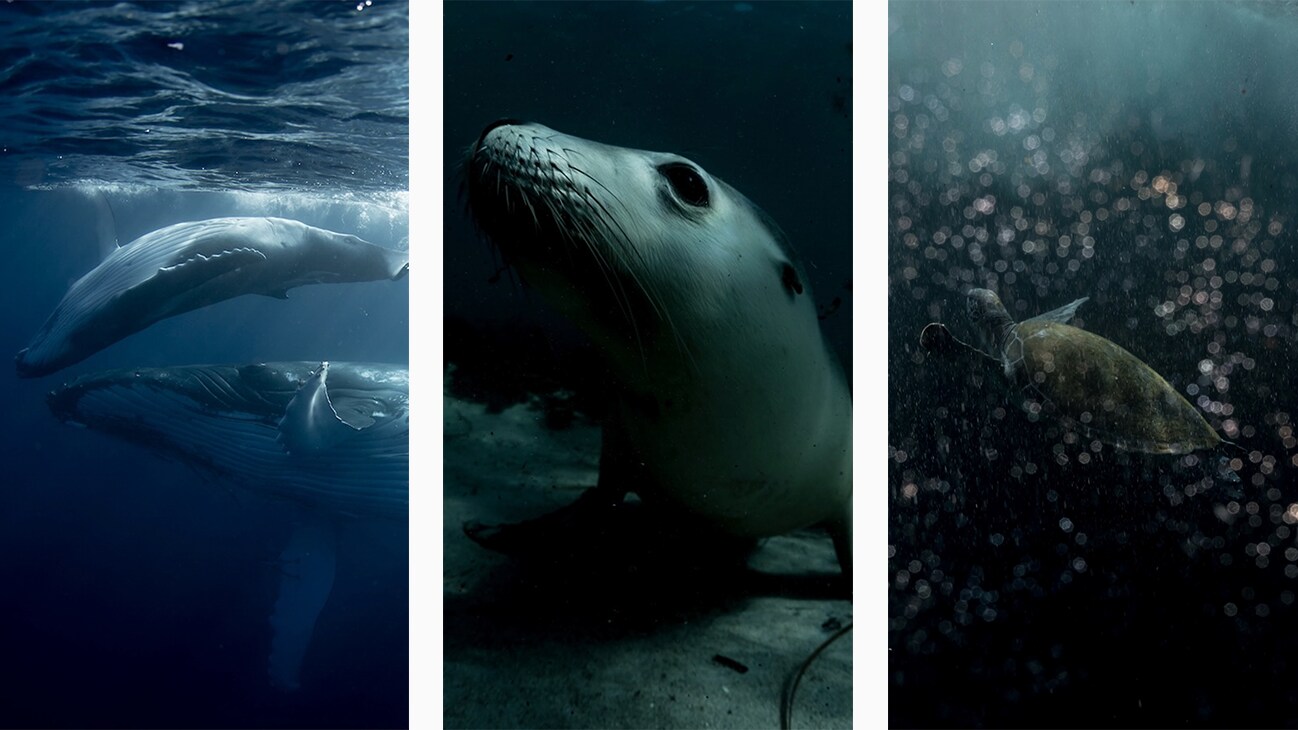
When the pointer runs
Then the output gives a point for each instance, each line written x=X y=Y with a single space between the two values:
x=789 y=277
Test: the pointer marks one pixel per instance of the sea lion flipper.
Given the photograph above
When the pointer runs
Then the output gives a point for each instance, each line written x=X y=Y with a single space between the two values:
x=568 y=530
x=718 y=316
x=840 y=530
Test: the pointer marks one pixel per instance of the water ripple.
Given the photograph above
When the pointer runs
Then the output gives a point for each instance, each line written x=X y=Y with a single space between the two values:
x=293 y=95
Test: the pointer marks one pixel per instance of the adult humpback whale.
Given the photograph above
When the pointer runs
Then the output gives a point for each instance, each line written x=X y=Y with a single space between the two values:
x=331 y=437
x=190 y=265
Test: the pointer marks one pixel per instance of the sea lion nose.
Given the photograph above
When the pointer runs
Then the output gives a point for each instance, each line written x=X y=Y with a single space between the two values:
x=498 y=123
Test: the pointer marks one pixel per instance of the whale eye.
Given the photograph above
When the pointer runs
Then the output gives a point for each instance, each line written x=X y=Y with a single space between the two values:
x=687 y=182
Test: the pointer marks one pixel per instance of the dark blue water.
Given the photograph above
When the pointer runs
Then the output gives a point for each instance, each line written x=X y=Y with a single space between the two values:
x=1139 y=154
x=136 y=591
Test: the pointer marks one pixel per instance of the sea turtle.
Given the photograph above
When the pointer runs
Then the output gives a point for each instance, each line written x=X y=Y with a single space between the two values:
x=1081 y=379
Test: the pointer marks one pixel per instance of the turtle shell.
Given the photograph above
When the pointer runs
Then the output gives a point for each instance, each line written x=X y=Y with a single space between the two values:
x=1089 y=382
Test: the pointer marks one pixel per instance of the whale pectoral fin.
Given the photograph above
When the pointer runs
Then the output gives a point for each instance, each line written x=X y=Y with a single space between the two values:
x=307 y=568
x=1061 y=315
x=310 y=423
x=356 y=412
x=200 y=268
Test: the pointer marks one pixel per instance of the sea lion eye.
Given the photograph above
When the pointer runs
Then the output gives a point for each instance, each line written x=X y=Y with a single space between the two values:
x=687 y=182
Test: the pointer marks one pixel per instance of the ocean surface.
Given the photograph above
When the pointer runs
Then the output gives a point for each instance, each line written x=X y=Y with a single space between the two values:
x=135 y=591
x=1137 y=153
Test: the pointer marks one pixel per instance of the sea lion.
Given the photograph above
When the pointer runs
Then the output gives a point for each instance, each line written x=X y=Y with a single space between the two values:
x=726 y=400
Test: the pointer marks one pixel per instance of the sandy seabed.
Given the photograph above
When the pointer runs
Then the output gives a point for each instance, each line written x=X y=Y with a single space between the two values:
x=620 y=628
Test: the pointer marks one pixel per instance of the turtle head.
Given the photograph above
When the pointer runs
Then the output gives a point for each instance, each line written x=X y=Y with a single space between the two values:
x=989 y=318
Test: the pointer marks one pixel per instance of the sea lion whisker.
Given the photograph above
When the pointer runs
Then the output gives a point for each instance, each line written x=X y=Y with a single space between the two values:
x=613 y=278
x=627 y=247
x=536 y=220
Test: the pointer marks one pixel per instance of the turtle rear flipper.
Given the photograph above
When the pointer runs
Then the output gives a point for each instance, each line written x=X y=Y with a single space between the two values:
x=1224 y=471
x=1062 y=315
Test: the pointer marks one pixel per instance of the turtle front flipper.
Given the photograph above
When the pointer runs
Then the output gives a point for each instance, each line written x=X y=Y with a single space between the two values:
x=938 y=340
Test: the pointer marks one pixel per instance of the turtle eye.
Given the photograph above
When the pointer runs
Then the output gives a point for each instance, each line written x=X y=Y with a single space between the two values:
x=972 y=309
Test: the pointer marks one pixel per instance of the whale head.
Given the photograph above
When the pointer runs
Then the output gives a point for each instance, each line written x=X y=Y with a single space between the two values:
x=44 y=355
x=29 y=365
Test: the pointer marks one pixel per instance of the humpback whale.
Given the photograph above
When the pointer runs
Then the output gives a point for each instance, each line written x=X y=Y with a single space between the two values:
x=332 y=437
x=187 y=266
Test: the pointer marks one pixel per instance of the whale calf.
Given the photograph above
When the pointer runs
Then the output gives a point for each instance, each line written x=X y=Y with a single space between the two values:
x=187 y=266
x=332 y=437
